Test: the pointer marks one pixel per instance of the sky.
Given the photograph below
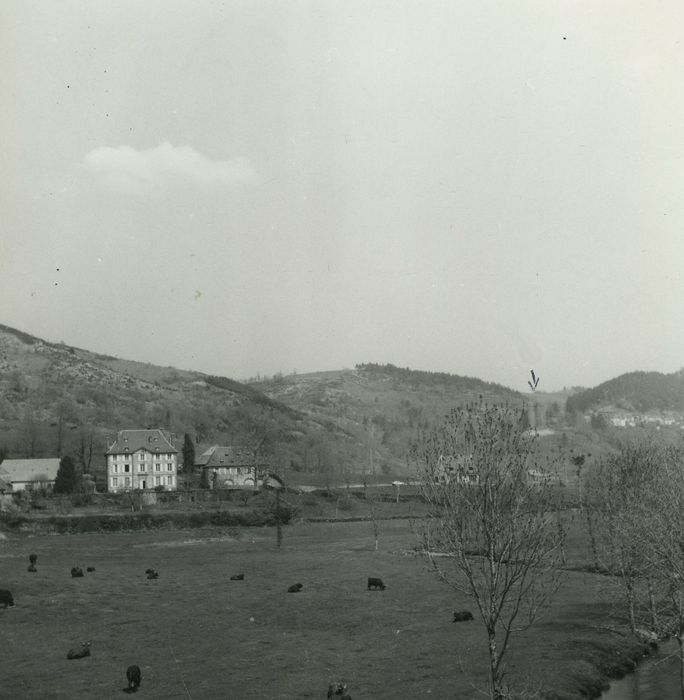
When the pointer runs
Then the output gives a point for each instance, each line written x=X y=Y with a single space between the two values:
x=252 y=187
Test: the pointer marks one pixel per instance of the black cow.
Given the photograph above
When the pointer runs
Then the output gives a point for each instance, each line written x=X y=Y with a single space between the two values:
x=133 y=676
x=6 y=598
x=237 y=577
x=295 y=588
x=33 y=558
x=90 y=569
x=337 y=689
x=152 y=574
x=76 y=572
x=79 y=653
x=375 y=583
x=462 y=616
x=31 y=568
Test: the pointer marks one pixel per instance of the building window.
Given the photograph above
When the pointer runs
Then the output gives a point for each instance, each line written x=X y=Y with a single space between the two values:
x=169 y=467
x=157 y=467
x=141 y=457
x=128 y=481
x=127 y=467
x=115 y=481
x=116 y=468
x=169 y=480
x=141 y=467
x=156 y=481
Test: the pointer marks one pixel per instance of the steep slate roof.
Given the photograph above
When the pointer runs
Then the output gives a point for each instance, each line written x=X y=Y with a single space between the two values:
x=44 y=469
x=219 y=456
x=153 y=440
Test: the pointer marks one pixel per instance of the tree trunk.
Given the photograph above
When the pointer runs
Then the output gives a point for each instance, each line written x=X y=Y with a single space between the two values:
x=652 y=606
x=592 y=537
x=494 y=666
x=279 y=529
x=680 y=644
x=629 y=585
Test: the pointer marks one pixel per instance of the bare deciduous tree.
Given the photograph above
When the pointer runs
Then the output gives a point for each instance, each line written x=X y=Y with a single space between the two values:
x=492 y=530
x=659 y=537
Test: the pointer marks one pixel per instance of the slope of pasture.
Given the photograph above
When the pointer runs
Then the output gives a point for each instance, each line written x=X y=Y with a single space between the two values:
x=197 y=635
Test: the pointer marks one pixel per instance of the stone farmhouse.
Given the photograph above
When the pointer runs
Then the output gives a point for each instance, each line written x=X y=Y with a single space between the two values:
x=35 y=473
x=229 y=467
x=142 y=459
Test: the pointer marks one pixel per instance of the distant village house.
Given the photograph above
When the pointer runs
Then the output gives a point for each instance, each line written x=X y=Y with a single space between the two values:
x=142 y=459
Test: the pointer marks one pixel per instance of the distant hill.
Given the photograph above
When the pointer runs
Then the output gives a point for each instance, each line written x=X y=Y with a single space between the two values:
x=382 y=406
x=634 y=392
x=313 y=428
x=57 y=399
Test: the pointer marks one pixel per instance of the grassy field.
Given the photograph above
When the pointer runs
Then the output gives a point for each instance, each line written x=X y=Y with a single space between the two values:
x=197 y=635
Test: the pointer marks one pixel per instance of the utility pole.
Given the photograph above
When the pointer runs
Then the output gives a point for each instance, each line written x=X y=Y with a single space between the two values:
x=279 y=528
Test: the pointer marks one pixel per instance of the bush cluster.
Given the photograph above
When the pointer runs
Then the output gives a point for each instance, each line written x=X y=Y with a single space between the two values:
x=64 y=524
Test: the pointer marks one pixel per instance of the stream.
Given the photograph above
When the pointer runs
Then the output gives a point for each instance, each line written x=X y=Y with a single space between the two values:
x=657 y=678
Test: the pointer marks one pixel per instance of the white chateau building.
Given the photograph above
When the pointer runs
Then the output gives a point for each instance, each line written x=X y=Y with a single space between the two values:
x=142 y=459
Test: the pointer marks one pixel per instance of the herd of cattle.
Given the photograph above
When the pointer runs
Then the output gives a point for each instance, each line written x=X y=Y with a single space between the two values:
x=133 y=673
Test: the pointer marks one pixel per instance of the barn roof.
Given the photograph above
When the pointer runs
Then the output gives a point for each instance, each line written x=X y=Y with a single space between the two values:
x=43 y=469
x=152 y=440
x=219 y=456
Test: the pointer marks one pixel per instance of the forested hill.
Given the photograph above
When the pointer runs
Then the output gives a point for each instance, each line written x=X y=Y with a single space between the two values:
x=635 y=392
x=383 y=406
x=464 y=387
x=56 y=399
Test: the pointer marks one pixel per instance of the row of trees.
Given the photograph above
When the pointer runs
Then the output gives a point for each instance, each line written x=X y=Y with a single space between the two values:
x=637 y=517
x=496 y=527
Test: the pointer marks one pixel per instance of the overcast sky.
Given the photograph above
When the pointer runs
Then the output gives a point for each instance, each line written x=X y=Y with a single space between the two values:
x=250 y=187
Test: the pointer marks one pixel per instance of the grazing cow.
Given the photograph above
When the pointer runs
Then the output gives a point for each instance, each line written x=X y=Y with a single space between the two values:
x=375 y=583
x=6 y=598
x=336 y=689
x=133 y=676
x=152 y=574
x=31 y=568
x=76 y=572
x=79 y=653
x=295 y=588
x=462 y=616
x=33 y=558
x=90 y=569
x=237 y=577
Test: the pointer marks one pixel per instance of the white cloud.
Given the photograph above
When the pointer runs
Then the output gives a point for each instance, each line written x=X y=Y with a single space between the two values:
x=129 y=170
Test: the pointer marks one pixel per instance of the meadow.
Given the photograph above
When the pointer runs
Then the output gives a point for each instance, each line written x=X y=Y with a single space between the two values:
x=196 y=634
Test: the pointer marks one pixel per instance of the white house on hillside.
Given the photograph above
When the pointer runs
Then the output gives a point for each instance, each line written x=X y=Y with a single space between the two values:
x=142 y=459
x=38 y=473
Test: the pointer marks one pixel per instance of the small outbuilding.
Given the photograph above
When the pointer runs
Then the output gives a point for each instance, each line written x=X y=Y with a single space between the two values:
x=35 y=473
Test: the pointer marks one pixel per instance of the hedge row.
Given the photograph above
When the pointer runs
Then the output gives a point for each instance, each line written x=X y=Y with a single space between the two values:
x=141 y=521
